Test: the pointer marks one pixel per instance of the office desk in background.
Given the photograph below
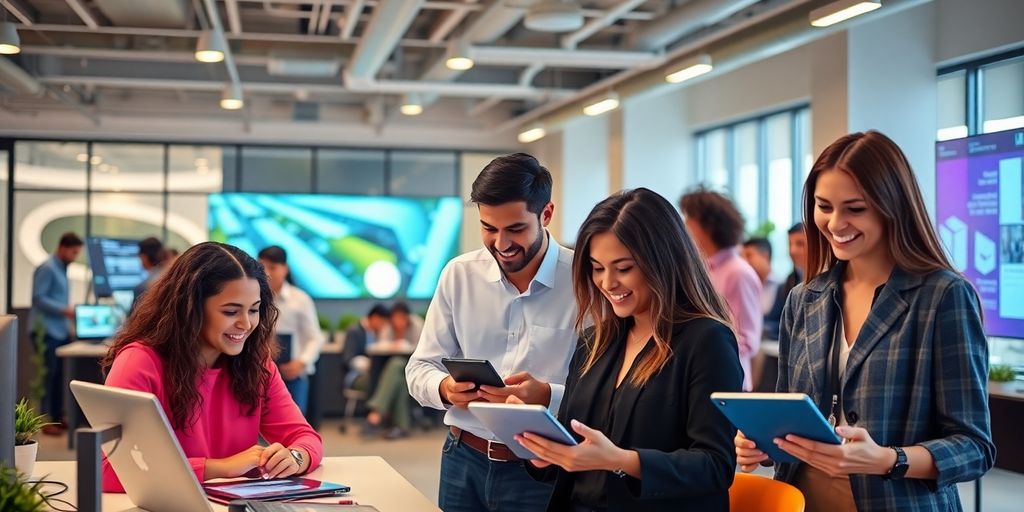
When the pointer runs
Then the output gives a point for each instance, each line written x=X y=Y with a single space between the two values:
x=81 y=361
x=373 y=482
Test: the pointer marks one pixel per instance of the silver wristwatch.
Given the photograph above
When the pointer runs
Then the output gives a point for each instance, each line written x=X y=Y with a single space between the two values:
x=297 y=455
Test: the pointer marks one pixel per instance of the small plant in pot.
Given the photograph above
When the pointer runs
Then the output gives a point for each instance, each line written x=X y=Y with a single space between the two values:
x=19 y=496
x=26 y=425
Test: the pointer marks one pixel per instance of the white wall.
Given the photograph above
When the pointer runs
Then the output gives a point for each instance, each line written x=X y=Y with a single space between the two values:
x=584 y=171
x=657 y=146
x=895 y=92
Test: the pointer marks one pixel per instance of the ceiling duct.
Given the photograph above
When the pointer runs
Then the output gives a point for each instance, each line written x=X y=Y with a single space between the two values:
x=689 y=18
x=554 y=16
x=304 y=64
x=145 y=13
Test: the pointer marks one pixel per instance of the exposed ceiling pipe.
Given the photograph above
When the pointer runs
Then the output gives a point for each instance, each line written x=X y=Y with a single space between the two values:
x=135 y=55
x=24 y=13
x=314 y=19
x=18 y=80
x=83 y=13
x=747 y=42
x=218 y=31
x=387 y=26
x=448 y=22
x=191 y=34
x=484 y=106
x=596 y=24
x=325 y=17
x=562 y=58
x=489 y=26
x=531 y=72
x=234 y=19
x=352 y=13
x=692 y=16
x=363 y=87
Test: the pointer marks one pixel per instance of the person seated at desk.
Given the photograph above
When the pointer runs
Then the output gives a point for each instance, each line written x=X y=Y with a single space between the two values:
x=201 y=341
x=363 y=334
x=391 y=401
x=298 y=321
x=637 y=395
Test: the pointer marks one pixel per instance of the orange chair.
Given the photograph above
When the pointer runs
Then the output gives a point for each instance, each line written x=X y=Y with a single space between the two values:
x=753 y=493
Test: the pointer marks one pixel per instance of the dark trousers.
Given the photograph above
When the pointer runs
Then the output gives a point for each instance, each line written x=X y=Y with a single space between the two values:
x=53 y=385
x=471 y=483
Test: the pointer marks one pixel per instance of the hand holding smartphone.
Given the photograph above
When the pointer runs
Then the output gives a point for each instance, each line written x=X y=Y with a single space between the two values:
x=477 y=371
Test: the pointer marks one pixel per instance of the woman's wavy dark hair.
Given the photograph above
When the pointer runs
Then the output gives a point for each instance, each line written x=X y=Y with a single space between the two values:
x=670 y=263
x=169 y=318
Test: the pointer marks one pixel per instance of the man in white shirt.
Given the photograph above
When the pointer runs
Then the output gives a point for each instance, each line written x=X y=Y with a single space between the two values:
x=512 y=304
x=297 y=322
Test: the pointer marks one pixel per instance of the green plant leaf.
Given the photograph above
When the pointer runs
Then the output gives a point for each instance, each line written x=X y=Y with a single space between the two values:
x=17 y=495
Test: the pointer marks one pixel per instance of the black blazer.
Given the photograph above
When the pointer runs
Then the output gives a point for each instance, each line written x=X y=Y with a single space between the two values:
x=687 y=458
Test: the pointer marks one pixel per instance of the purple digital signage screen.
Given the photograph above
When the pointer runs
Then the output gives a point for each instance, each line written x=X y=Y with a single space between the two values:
x=979 y=211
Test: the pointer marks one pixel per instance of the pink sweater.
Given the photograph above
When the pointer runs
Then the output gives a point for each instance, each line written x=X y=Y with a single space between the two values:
x=222 y=429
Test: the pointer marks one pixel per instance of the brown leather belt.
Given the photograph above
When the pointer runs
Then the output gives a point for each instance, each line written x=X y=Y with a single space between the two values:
x=495 y=452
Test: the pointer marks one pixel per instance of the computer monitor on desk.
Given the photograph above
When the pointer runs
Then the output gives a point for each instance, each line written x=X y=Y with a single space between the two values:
x=96 y=321
x=8 y=371
x=145 y=456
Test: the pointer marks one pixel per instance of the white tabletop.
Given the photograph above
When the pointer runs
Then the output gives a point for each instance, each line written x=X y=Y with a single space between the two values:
x=83 y=349
x=390 y=348
x=373 y=482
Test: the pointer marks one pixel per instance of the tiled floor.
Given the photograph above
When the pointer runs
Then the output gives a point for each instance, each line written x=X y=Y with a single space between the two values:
x=418 y=459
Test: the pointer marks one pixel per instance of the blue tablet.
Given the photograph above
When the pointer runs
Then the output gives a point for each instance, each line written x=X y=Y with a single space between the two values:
x=507 y=420
x=764 y=416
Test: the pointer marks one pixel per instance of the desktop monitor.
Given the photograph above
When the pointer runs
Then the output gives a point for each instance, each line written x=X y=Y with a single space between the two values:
x=147 y=458
x=115 y=265
x=96 y=321
x=8 y=371
x=979 y=209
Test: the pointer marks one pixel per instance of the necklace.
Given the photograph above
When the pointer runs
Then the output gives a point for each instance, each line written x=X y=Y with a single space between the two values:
x=636 y=339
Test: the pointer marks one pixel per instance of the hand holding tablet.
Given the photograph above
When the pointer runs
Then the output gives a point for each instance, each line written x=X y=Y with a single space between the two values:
x=762 y=417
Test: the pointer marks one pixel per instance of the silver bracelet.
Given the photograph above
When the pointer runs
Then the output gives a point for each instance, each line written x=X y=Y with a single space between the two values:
x=619 y=473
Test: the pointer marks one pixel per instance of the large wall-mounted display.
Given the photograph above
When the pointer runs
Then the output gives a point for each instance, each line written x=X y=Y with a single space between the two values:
x=980 y=214
x=346 y=247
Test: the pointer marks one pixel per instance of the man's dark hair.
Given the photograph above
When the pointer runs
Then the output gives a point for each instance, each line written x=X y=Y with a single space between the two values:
x=274 y=254
x=153 y=249
x=379 y=310
x=70 y=239
x=716 y=214
x=400 y=307
x=513 y=178
x=761 y=244
x=797 y=228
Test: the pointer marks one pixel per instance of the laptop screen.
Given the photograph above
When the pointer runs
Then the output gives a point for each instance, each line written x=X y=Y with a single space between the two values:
x=95 y=321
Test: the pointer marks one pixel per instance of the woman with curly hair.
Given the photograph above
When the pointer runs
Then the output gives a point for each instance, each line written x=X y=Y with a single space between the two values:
x=200 y=340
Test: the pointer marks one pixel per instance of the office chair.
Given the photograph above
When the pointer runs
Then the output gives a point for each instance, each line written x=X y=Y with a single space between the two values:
x=753 y=493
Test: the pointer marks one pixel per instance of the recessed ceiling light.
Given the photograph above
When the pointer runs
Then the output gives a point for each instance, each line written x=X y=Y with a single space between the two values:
x=842 y=10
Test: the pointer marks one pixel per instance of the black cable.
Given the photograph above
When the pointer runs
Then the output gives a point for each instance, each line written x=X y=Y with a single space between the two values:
x=49 y=498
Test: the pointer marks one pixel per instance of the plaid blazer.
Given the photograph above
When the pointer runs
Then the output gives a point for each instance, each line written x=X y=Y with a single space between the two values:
x=916 y=375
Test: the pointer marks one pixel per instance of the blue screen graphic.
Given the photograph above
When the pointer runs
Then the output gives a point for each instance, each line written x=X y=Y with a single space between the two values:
x=346 y=247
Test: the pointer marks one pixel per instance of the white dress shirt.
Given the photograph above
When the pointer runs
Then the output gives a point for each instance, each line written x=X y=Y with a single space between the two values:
x=297 y=317
x=477 y=313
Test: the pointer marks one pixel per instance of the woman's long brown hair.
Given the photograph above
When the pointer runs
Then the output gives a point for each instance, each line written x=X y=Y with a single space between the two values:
x=169 y=318
x=883 y=174
x=670 y=263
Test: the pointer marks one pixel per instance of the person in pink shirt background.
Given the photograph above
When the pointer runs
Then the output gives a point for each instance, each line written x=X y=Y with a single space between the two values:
x=200 y=340
x=717 y=227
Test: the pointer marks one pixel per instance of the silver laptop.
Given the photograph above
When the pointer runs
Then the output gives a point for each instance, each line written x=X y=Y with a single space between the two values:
x=147 y=459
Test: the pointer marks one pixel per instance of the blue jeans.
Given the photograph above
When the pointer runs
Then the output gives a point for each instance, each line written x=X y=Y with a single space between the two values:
x=471 y=483
x=299 y=389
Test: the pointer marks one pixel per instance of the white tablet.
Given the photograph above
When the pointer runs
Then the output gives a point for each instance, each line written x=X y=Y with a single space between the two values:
x=507 y=420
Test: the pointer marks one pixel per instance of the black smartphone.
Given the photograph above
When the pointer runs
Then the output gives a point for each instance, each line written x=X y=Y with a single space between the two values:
x=478 y=371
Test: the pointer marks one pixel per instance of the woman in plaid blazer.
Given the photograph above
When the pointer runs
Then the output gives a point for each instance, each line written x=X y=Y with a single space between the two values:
x=881 y=303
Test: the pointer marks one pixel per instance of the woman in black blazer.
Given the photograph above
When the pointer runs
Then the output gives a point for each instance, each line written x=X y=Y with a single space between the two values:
x=637 y=394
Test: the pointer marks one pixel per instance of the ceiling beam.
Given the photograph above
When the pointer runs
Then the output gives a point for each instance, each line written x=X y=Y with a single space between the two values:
x=23 y=12
x=234 y=20
x=83 y=13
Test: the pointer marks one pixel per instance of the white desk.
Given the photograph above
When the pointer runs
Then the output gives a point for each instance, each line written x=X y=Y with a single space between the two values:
x=373 y=482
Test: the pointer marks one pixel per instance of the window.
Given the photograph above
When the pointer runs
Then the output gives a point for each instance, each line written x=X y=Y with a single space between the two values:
x=348 y=171
x=982 y=96
x=761 y=163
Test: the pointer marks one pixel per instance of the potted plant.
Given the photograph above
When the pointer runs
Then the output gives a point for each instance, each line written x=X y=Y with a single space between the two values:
x=325 y=325
x=26 y=425
x=1001 y=373
x=19 y=496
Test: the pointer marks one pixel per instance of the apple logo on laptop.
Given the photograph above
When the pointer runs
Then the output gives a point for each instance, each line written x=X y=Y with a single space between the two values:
x=137 y=457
